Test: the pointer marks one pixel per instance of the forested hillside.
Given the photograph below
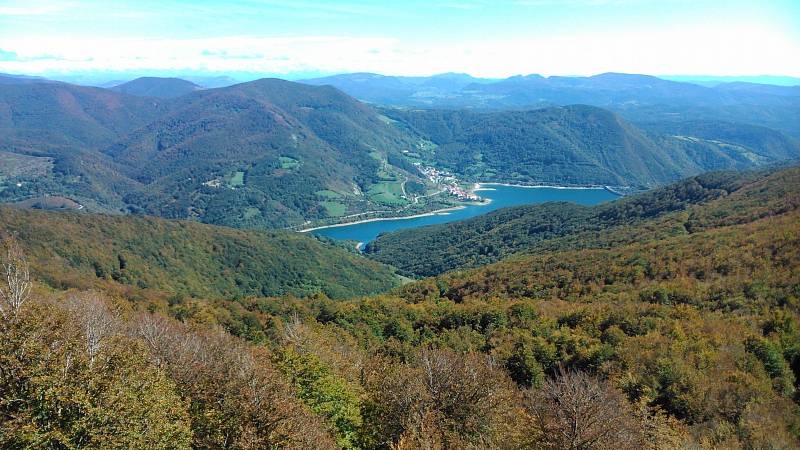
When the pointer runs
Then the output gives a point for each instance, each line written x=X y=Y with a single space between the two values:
x=679 y=330
x=272 y=153
x=131 y=254
x=587 y=145
x=680 y=208
x=264 y=153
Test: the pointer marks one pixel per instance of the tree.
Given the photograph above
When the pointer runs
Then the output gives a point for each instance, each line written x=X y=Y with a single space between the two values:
x=442 y=400
x=16 y=285
x=50 y=397
x=578 y=412
x=97 y=320
x=237 y=398
x=523 y=367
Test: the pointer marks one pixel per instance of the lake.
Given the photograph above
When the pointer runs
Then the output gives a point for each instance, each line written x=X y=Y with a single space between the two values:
x=501 y=197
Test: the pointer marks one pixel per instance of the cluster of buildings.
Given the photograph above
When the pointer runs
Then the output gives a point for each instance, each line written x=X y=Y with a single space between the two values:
x=461 y=193
x=448 y=181
x=215 y=183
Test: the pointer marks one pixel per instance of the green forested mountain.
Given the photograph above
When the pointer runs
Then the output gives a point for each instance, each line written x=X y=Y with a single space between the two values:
x=272 y=153
x=740 y=142
x=586 y=145
x=156 y=87
x=69 y=250
x=60 y=128
x=680 y=208
x=258 y=153
x=268 y=152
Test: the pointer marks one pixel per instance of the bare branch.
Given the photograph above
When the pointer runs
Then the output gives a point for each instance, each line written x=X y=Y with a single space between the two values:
x=97 y=320
x=577 y=411
x=16 y=284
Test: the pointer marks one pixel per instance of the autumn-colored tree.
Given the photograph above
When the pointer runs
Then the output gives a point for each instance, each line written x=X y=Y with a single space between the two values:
x=237 y=399
x=57 y=393
x=578 y=412
x=443 y=399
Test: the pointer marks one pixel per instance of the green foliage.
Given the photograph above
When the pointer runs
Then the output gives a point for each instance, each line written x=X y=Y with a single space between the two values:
x=187 y=258
x=324 y=393
x=771 y=356
x=698 y=329
x=523 y=367
x=53 y=397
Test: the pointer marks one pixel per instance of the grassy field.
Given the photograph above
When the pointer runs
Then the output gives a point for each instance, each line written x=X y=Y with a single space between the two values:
x=288 y=163
x=16 y=165
x=385 y=175
x=388 y=193
x=328 y=194
x=251 y=212
x=334 y=209
x=53 y=203
x=237 y=179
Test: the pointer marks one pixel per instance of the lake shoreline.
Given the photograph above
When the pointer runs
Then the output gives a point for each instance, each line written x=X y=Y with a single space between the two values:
x=379 y=219
x=476 y=187
x=480 y=186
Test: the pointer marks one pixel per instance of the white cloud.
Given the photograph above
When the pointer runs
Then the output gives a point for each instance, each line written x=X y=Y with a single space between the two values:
x=737 y=49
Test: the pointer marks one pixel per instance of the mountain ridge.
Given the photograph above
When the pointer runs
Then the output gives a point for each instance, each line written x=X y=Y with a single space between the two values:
x=274 y=153
x=636 y=97
x=156 y=87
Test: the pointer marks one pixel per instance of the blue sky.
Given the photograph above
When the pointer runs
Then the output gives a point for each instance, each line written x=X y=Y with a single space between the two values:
x=491 y=38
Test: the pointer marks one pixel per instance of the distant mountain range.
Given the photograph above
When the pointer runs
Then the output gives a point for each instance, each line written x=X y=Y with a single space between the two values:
x=273 y=153
x=7 y=78
x=636 y=97
x=712 y=80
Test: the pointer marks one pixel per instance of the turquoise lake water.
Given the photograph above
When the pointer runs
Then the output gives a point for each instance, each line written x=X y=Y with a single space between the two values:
x=501 y=196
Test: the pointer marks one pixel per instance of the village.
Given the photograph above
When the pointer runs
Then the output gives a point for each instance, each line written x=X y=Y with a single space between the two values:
x=448 y=182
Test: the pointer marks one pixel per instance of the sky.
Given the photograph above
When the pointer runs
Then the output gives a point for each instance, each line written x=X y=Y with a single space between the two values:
x=487 y=38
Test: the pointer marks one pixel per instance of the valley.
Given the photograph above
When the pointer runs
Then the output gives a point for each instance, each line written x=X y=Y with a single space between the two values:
x=494 y=197
x=458 y=273
x=382 y=225
x=277 y=154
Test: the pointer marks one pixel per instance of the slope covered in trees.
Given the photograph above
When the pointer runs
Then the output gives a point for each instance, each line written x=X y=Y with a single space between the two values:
x=264 y=153
x=84 y=371
x=680 y=208
x=587 y=145
x=181 y=258
x=272 y=153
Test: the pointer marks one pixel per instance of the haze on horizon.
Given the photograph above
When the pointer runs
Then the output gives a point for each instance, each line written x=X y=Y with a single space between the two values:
x=485 y=38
